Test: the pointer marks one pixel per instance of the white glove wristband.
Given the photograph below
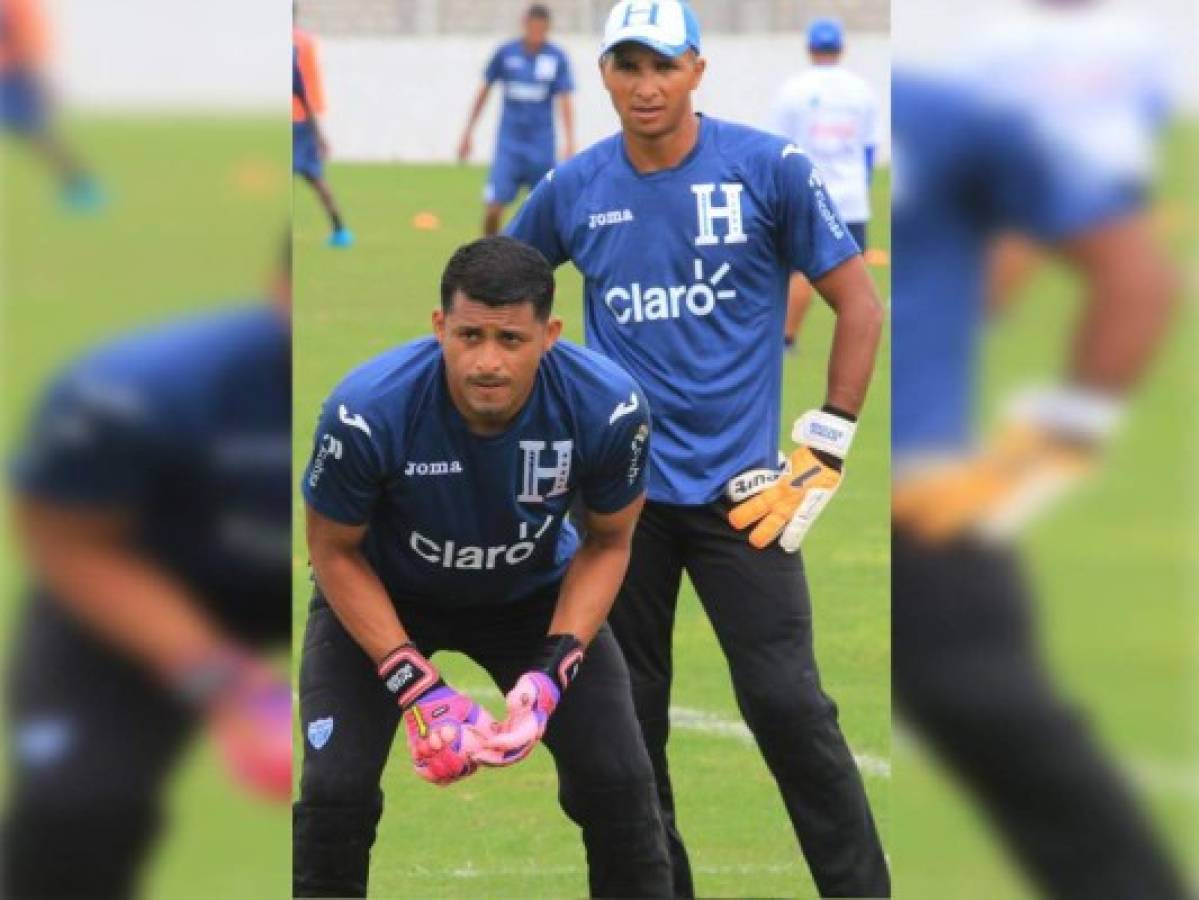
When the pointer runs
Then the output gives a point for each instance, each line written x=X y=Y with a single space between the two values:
x=1075 y=412
x=824 y=431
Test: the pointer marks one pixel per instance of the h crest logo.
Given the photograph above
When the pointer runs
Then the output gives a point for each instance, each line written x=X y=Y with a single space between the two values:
x=533 y=473
x=708 y=214
x=646 y=12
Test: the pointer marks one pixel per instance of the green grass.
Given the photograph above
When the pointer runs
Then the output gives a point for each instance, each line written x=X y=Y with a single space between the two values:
x=502 y=833
x=197 y=213
x=1114 y=570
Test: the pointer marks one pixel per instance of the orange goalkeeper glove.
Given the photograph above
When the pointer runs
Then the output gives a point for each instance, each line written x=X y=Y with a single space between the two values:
x=785 y=504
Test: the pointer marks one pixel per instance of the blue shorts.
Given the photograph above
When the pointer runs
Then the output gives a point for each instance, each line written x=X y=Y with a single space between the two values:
x=305 y=156
x=512 y=170
x=858 y=230
x=21 y=106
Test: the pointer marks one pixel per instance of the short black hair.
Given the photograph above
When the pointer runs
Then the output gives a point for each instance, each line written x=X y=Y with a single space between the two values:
x=538 y=11
x=499 y=271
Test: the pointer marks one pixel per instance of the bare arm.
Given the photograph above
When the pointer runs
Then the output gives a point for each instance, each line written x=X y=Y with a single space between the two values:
x=352 y=587
x=476 y=110
x=1131 y=291
x=84 y=558
x=567 y=109
x=850 y=292
x=595 y=574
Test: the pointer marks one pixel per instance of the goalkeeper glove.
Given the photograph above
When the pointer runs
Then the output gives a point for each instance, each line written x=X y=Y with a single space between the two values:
x=446 y=730
x=535 y=697
x=785 y=504
x=249 y=712
x=1050 y=439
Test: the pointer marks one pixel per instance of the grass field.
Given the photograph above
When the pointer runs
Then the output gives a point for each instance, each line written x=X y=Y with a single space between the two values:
x=1115 y=571
x=196 y=215
x=502 y=834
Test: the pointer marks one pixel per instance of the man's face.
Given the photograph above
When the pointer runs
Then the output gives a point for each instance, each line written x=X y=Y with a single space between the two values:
x=650 y=92
x=536 y=30
x=491 y=357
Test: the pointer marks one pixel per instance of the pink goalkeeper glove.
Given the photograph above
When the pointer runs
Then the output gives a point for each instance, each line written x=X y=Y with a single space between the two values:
x=447 y=731
x=535 y=697
x=249 y=711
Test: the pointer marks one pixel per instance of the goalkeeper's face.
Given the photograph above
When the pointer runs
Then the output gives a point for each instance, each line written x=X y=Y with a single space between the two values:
x=491 y=358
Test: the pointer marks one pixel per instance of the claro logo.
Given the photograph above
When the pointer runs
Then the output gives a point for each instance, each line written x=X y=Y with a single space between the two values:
x=465 y=557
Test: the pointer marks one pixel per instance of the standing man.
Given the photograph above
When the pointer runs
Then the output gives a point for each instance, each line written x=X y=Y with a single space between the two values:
x=832 y=115
x=969 y=674
x=729 y=212
x=437 y=498
x=308 y=146
x=533 y=72
x=26 y=108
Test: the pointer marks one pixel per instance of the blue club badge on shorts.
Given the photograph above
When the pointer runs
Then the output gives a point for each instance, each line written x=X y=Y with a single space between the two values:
x=319 y=731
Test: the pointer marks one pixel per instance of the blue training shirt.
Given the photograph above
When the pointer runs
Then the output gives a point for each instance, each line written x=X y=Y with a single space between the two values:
x=530 y=83
x=686 y=273
x=458 y=519
x=186 y=429
x=965 y=168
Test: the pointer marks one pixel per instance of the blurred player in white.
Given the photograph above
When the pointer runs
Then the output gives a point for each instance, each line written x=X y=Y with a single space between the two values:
x=832 y=115
x=1096 y=84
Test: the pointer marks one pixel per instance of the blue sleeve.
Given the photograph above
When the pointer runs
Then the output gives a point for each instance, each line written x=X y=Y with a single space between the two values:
x=94 y=442
x=537 y=222
x=1032 y=188
x=617 y=474
x=565 y=82
x=297 y=77
x=813 y=238
x=495 y=67
x=346 y=471
x=869 y=164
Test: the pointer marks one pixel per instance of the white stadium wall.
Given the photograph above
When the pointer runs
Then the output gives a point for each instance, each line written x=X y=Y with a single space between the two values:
x=406 y=99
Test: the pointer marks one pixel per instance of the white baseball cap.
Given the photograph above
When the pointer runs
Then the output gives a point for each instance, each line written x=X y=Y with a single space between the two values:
x=669 y=27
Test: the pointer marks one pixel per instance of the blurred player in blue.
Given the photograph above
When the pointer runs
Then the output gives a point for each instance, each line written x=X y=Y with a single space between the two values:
x=968 y=672
x=437 y=494
x=308 y=146
x=687 y=230
x=26 y=109
x=832 y=115
x=152 y=502
x=533 y=72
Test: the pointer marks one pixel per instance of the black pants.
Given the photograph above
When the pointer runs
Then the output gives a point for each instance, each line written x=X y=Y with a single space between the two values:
x=758 y=604
x=605 y=782
x=968 y=676
x=91 y=741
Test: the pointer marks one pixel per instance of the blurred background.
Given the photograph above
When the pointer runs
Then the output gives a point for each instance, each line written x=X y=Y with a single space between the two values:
x=1045 y=177
x=398 y=82
x=144 y=183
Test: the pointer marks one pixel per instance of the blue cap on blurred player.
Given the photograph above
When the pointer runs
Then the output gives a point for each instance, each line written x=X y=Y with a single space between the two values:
x=668 y=27
x=824 y=35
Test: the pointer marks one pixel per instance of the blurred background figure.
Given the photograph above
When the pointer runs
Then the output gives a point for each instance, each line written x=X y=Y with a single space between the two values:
x=27 y=104
x=309 y=148
x=831 y=114
x=146 y=366
x=1051 y=146
x=534 y=73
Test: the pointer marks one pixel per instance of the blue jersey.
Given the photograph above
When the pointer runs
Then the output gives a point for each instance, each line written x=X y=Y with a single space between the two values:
x=186 y=429
x=686 y=275
x=964 y=169
x=530 y=83
x=456 y=519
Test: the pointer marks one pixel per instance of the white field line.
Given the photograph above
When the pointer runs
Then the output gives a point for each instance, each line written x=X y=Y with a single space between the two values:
x=688 y=719
x=470 y=871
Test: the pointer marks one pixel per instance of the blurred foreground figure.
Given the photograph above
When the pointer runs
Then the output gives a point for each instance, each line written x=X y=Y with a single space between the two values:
x=25 y=102
x=968 y=672
x=152 y=500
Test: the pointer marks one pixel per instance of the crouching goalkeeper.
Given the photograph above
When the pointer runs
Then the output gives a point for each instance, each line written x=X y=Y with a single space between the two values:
x=437 y=493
